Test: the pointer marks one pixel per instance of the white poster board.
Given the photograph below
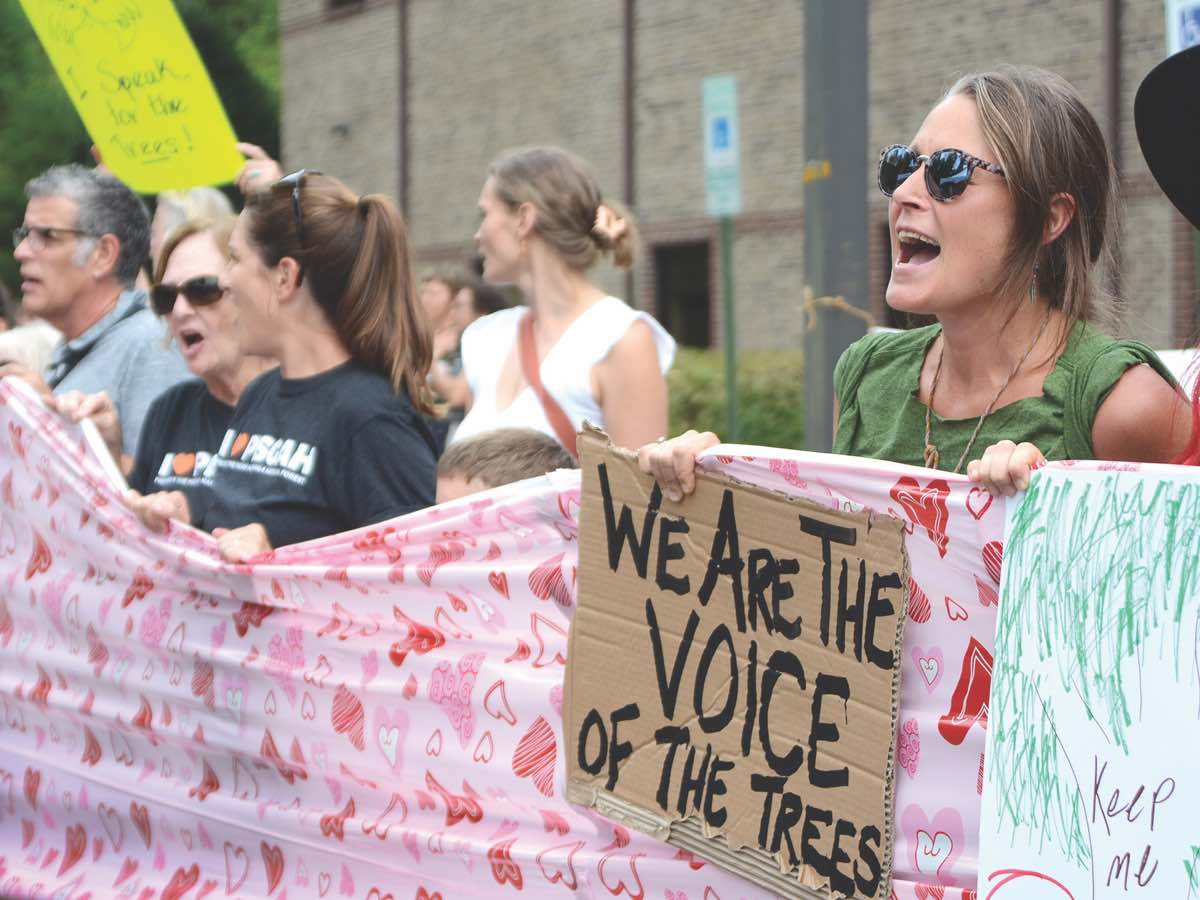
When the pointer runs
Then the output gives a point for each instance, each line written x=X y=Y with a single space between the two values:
x=1091 y=781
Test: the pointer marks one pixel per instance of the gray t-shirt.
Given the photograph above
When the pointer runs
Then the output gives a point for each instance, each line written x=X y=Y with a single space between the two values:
x=125 y=354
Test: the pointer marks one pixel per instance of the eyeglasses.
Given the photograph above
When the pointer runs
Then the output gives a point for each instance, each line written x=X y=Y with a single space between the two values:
x=294 y=181
x=947 y=172
x=203 y=290
x=40 y=235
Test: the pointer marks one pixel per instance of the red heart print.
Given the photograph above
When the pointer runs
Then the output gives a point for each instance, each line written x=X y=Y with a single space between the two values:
x=499 y=580
x=333 y=825
x=979 y=500
x=504 y=870
x=547 y=581
x=919 y=608
x=273 y=862
x=140 y=816
x=495 y=703
x=955 y=611
x=33 y=780
x=181 y=882
x=969 y=702
x=347 y=716
x=74 y=848
x=993 y=559
x=439 y=555
x=40 y=559
x=987 y=593
x=926 y=507
x=535 y=755
x=139 y=588
x=419 y=639
x=458 y=806
x=557 y=865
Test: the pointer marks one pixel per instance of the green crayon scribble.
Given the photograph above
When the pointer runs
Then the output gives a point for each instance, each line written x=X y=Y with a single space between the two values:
x=1192 y=867
x=1092 y=568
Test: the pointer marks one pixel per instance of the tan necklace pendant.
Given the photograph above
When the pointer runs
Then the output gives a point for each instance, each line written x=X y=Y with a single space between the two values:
x=931 y=456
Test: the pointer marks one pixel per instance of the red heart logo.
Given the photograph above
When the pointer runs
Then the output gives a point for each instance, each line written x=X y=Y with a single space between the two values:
x=499 y=580
x=557 y=866
x=91 y=748
x=127 y=869
x=535 y=755
x=926 y=507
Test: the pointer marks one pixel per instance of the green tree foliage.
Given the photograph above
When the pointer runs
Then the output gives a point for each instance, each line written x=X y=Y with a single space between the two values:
x=770 y=391
x=237 y=39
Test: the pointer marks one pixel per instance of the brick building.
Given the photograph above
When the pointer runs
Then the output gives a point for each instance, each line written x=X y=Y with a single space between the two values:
x=415 y=98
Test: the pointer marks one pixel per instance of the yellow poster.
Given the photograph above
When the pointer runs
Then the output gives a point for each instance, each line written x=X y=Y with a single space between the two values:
x=141 y=89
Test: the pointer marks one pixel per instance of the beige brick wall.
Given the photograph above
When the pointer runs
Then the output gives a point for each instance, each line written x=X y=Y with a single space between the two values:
x=341 y=93
x=491 y=74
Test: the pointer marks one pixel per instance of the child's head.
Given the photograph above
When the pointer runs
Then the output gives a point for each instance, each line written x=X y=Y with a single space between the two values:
x=497 y=457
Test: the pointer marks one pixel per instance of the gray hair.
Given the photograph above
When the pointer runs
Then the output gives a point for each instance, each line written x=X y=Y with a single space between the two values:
x=106 y=206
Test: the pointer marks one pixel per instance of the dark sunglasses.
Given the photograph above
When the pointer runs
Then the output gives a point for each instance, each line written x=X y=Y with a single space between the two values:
x=947 y=172
x=294 y=181
x=203 y=290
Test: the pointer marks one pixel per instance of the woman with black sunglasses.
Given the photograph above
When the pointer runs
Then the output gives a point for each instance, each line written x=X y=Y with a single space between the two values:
x=184 y=425
x=1000 y=215
x=332 y=439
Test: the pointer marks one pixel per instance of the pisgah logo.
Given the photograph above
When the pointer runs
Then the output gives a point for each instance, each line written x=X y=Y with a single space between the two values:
x=269 y=455
x=181 y=467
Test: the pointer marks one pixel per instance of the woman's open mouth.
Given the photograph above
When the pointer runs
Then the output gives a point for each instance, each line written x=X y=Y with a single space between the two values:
x=916 y=249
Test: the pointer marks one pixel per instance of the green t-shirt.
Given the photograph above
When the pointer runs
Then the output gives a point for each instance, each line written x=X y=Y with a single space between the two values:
x=880 y=416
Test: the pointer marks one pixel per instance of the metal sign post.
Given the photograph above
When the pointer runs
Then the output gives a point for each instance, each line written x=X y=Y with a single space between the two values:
x=723 y=199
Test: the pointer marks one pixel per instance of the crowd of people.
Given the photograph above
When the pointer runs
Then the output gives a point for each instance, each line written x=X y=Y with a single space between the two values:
x=281 y=374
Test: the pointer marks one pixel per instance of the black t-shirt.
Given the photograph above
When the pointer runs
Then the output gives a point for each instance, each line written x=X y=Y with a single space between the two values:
x=309 y=457
x=177 y=449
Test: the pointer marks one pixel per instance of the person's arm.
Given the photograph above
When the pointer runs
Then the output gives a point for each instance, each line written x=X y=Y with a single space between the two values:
x=259 y=171
x=1143 y=419
x=632 y=390
x=77 y=406
x=157 y=510
x=239 y=545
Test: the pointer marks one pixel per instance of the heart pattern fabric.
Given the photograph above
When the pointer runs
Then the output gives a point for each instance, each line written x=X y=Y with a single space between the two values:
x=240 y=731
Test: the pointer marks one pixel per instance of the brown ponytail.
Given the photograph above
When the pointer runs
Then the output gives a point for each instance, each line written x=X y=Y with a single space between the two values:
x=356 y=260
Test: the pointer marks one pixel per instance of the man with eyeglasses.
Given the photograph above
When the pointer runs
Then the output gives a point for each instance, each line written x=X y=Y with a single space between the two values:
x=84 y=238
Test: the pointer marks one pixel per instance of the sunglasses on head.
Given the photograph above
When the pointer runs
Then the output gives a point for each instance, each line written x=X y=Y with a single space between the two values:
x=947 y=172
x=294 y=181
x=204 y=290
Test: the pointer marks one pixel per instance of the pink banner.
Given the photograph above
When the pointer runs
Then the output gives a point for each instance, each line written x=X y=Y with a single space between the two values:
x=379 y=713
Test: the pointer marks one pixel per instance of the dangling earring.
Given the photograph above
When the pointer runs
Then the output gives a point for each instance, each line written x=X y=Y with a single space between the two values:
x=1033 y=286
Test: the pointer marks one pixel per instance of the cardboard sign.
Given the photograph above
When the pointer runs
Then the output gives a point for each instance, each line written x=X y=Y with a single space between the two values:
x=733 y=675
x=1091 y=784
x=141 y=90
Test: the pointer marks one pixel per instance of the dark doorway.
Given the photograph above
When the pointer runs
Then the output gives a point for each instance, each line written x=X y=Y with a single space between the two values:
x=681 y=292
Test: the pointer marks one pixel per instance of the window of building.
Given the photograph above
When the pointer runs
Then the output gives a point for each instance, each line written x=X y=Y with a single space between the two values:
x=339 y=5
x=682 y=295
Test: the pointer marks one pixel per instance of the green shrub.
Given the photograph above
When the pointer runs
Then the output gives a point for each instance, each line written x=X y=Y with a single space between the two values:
x=770 y=390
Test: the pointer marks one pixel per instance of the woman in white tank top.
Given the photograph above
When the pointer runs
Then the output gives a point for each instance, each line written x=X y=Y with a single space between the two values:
x=543 y=226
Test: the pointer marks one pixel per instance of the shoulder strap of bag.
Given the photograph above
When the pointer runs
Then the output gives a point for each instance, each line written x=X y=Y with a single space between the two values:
x=563 y=429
